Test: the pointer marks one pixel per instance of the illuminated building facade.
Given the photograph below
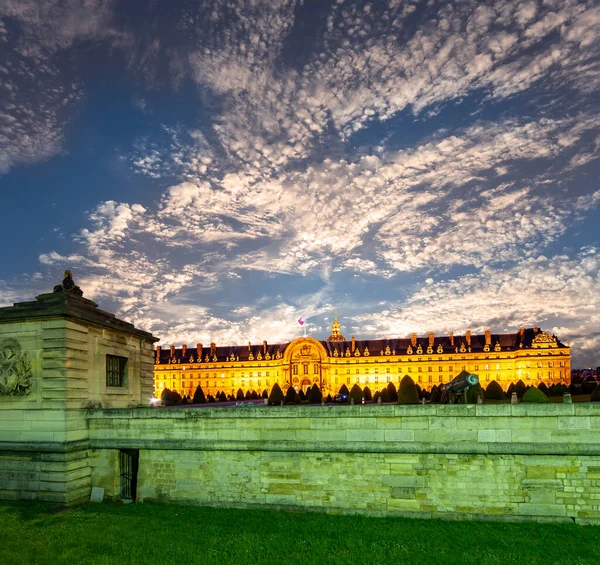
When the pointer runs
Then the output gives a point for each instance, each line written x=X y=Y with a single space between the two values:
x=531 y=355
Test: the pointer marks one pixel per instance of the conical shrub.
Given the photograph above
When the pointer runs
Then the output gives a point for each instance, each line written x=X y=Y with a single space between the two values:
x=199 y=397
x=356 y=394
x=314 y=395
x=276 y=395
x=494 y=391
x=407 y=394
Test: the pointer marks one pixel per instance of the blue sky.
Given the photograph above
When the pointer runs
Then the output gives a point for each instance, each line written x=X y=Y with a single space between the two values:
x=213 y=170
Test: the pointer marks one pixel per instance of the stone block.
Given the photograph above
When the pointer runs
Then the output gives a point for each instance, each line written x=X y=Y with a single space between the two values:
x=486 y=436
x=364 y=435
x=405 y=505
x=534 y=472
x=402 y=481
x=399 y=435
x=573 y=423
x=403 y=492
x=549 y=510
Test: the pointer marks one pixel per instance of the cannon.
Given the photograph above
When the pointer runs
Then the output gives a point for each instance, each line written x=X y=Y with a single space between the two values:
x=460 y=384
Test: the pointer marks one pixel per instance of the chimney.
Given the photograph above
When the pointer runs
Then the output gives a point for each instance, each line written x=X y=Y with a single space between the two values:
x=353 y=343
x=213 y=348
x=158 y=352
x=468 y=337
x=413 y=340
x=199 y=350
x=488 y=337
x=172 y=351
x=264 y=347
x=451 y=336
x=249 y=346
x=430 y=335
x=183 y=350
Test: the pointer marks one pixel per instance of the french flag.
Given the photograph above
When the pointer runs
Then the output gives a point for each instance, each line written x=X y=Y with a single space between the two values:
x=301 y=320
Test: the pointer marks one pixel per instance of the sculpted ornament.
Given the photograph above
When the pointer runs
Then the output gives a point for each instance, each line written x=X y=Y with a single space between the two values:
x=544 y=339
x=15 y=369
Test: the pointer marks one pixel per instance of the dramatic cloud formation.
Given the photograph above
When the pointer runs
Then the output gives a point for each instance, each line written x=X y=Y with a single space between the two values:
x=422 y=165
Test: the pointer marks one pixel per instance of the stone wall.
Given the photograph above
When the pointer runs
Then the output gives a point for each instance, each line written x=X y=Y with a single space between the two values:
x=501 y=461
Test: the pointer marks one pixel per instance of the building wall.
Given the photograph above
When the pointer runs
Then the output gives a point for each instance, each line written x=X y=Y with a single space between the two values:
x=505 y=461
x=375 y=370
x=44 y=437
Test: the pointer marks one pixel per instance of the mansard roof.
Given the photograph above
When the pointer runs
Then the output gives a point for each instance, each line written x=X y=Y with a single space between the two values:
x=242 y=353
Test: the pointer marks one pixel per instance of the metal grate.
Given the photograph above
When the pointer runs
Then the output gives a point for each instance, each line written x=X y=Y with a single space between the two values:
x=129 y=464
x=115 y=370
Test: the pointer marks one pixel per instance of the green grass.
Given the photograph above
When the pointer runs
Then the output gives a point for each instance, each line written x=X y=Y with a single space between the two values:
x=149 y=533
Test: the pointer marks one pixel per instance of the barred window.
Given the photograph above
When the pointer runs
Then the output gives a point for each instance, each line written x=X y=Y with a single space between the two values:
x=115 y=370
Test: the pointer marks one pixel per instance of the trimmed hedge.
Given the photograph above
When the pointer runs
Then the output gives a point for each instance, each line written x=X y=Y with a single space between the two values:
x=407 y=394
x=276 y=395
x=291 y=396
x=436 y=395
x=314 y=395
x=199 y=397
x=494 y=391
x=392 y=392
x=356 y=394
x=520 y=388
x=535 y=395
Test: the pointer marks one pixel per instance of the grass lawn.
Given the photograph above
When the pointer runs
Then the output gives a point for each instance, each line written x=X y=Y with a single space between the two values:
x=147 y=533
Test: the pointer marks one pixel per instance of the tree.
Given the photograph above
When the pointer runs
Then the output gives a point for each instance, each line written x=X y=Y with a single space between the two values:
x=595 y=396
x=436 y=395
x=329 y=399
x=344 y=392
x=199 y=397
x=248 y=395
x=222 y=397
x=385 y=395
x=520 y=388
x=265 y=394
x=392 y=392
x=510 y=390
x=276 y=395
x=291 y=396
x=240 y=394
x=407 y=394
x=494 y=391
x=542 y=386
x=210 y=398
x=474 y=392
x=560 y=389
x=419 y=391
x=356 y=394
x=367 y=394
x=535 y=395
x=314 y=395
x=301 y=395
x=254 y=395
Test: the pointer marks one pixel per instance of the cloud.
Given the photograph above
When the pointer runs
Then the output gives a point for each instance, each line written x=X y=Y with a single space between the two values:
x=37 y=95
x=558 y=293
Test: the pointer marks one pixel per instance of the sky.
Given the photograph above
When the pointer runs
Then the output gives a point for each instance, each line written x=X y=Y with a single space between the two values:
x=213 y=170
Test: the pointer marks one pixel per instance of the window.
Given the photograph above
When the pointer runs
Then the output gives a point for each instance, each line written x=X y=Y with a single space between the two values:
x=306 y=368
x=316 y=368
x=497 y=366
x=115 y=370
x=295 y=370
x=477 y=367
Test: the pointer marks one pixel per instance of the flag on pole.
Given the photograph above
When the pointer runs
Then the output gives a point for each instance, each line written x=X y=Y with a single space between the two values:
x=301 y=320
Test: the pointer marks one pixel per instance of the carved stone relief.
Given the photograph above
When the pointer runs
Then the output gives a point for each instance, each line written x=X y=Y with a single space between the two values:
x=15 y=369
